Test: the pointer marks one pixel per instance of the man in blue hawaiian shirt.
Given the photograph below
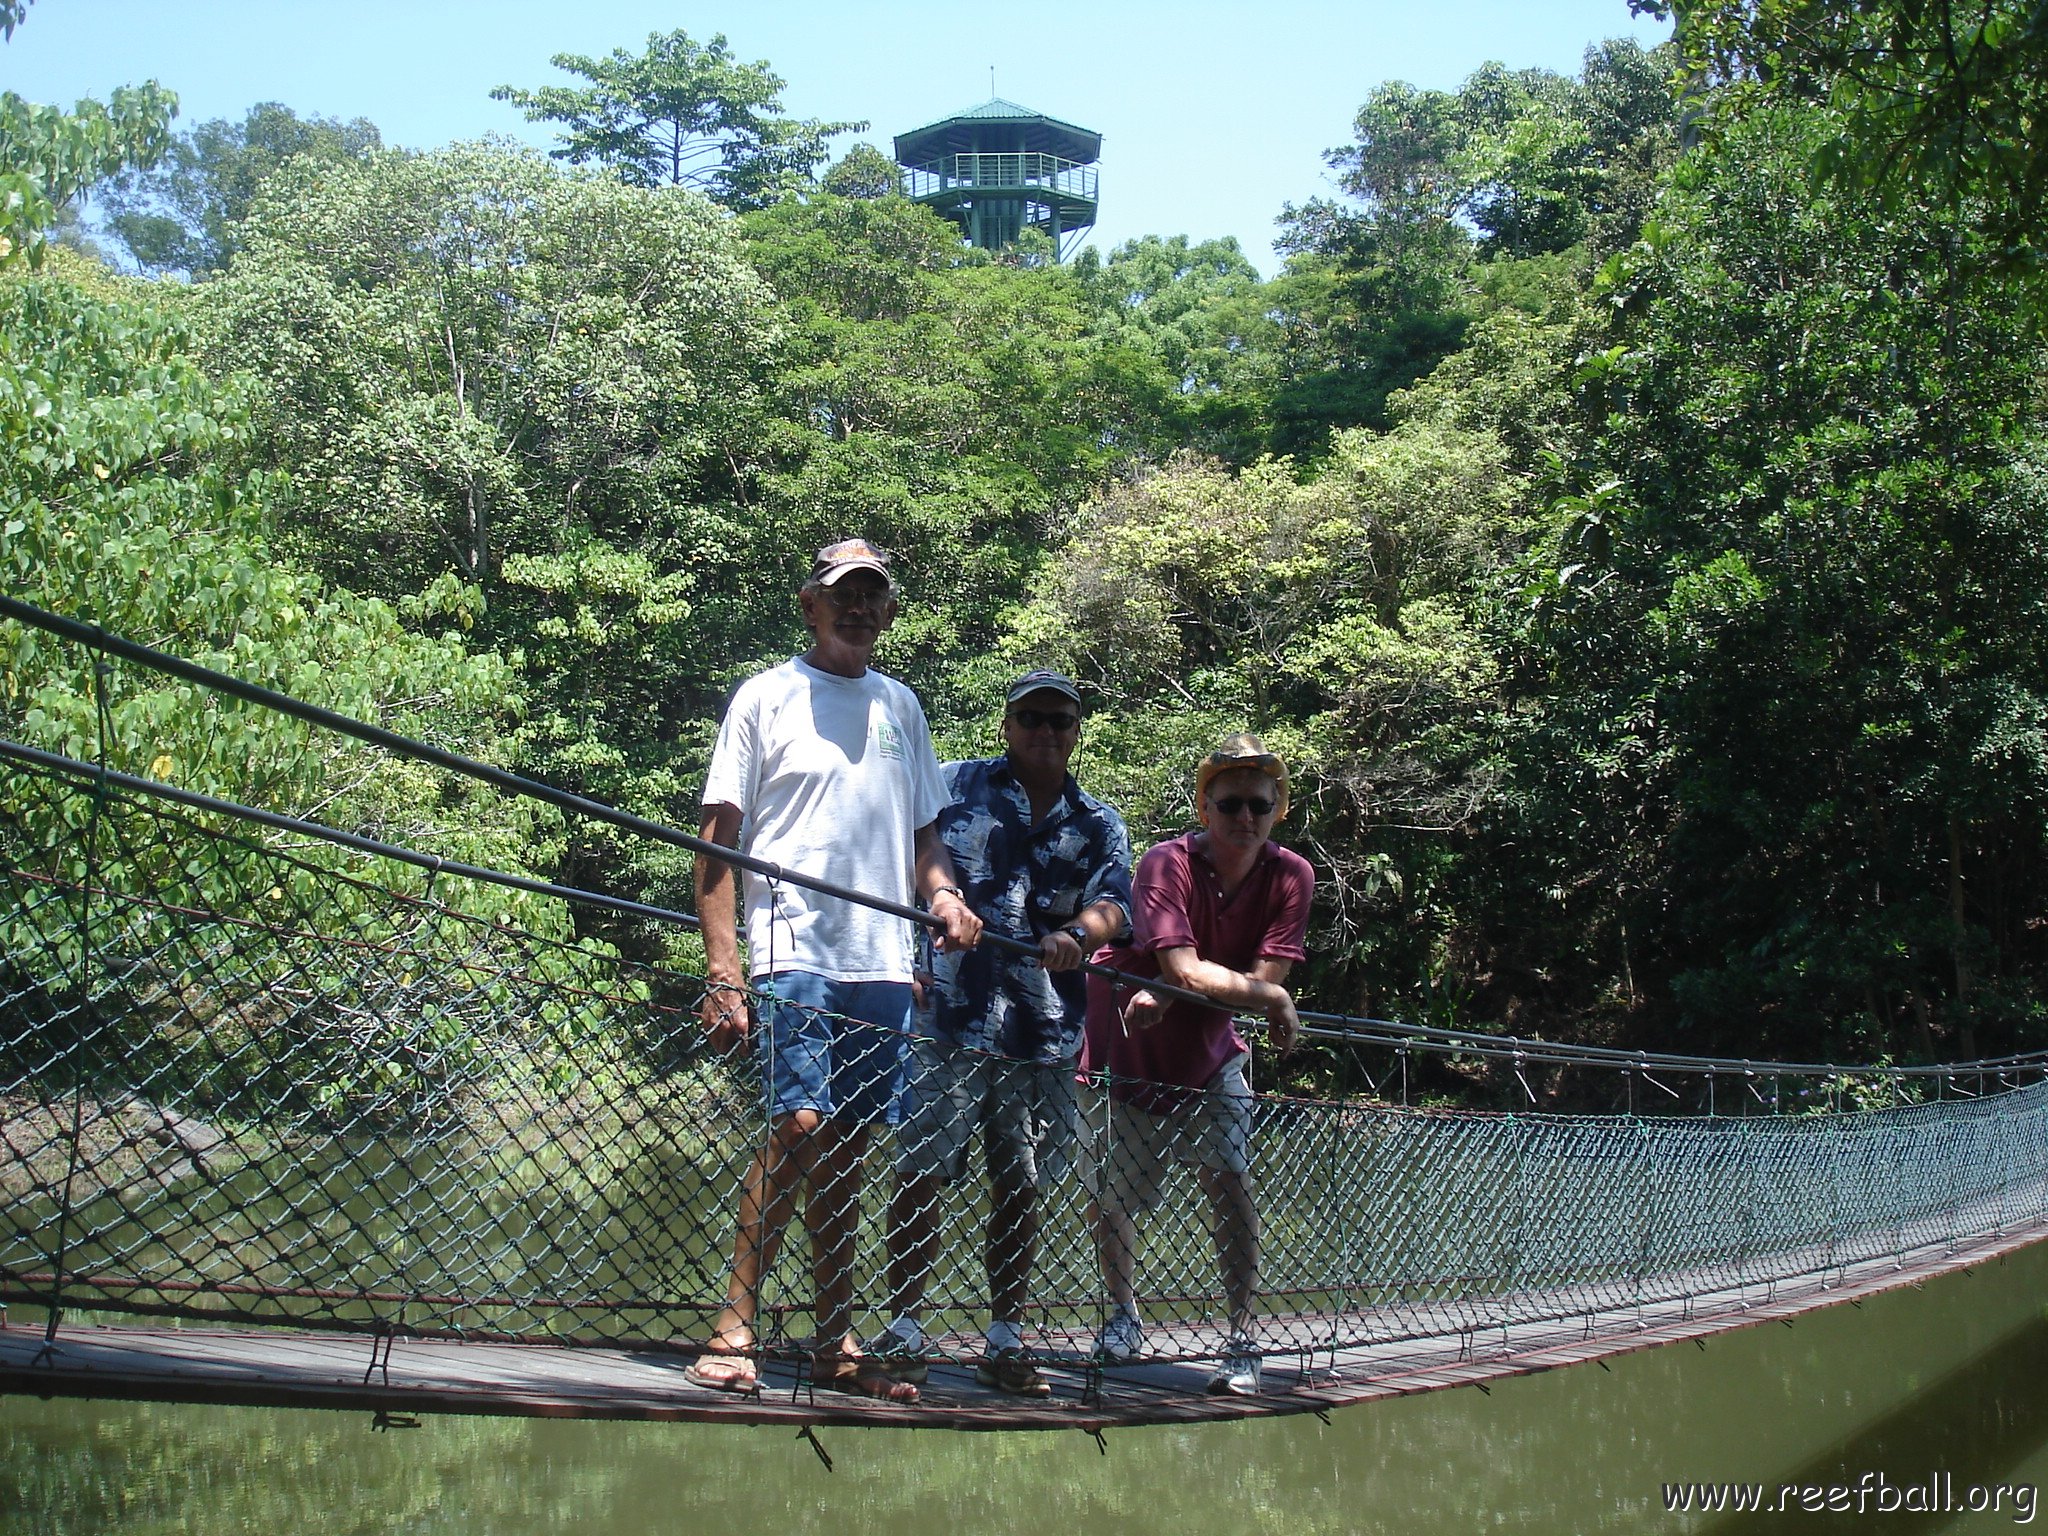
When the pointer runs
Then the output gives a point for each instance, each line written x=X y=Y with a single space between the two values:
x=1044 y=862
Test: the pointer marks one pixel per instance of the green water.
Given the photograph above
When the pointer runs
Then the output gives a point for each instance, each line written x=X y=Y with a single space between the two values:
x=1949 y=1379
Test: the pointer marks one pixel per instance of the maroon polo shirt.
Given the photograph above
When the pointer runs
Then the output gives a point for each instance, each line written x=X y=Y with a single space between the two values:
x=1177 y=903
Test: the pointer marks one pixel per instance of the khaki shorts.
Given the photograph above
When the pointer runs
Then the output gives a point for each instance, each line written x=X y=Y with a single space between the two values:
x=1026 y=1112
x=1215 y=1131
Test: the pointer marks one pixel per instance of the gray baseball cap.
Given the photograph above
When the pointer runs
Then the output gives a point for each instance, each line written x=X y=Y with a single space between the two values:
x=1040 y=680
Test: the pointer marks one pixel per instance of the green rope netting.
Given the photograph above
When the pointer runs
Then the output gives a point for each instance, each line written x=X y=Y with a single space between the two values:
x=248 y=1076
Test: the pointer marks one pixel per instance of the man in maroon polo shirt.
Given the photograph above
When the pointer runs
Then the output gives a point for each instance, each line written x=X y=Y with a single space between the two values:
x=1222 y=912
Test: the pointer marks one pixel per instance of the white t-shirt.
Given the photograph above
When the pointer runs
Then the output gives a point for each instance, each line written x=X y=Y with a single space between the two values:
x=832 y=776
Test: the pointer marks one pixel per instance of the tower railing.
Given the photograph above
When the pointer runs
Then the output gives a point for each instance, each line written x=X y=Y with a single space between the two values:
x=1067 y=178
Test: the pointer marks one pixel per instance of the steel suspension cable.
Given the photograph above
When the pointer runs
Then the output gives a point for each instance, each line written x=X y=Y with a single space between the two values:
x=1345 y=1028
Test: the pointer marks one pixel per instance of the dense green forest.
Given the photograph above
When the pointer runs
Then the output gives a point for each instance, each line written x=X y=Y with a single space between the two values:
x=1628 y=507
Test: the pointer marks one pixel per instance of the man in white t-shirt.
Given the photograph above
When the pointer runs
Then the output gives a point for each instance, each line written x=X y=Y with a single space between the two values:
x=826 y=768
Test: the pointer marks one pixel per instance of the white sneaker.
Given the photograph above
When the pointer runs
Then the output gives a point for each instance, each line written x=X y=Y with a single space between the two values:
x=1121 y=1338
x=1237 y=1373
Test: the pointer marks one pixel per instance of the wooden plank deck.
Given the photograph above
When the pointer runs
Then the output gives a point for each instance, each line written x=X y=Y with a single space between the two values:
x=409 y=1377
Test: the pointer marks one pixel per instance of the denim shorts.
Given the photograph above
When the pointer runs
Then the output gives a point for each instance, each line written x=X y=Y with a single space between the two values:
x=835 y=1047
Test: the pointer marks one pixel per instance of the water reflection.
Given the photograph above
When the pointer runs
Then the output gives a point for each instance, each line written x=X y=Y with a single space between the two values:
x=1953 y=1377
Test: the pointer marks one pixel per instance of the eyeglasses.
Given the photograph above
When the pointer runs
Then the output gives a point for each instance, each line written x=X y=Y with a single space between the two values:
x=1032 y=719
x=843 y=597
x=1230 y=805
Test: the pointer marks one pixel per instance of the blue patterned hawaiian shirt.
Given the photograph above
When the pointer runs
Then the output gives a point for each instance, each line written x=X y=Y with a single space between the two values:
x=1026 y=881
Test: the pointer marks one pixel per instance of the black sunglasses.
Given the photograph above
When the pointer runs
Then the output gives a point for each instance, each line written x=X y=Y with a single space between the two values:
x=1032 y=719
x=1230 y=805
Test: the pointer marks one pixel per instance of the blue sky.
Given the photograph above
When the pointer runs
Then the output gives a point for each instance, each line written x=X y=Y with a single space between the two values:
x=1212 y=115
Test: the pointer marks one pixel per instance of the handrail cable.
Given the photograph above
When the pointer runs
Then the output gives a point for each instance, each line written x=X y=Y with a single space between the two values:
x=432 y=863
x=1351 y=1028
x=94 y=637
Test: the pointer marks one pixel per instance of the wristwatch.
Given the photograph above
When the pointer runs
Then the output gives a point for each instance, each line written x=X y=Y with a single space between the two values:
x=1079 y=935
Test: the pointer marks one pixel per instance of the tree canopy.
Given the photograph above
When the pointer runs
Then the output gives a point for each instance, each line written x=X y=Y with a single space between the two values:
x=681 y=114
x=1634 y=543
x=185 y=213
x=1934 y=97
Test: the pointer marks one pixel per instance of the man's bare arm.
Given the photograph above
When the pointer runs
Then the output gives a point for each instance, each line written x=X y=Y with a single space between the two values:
x=1256 y=991
x=1102 y=921
x=724 y=1009
x=939 y=886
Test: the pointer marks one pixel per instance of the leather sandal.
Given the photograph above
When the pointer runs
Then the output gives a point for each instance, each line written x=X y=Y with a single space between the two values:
x=1011 y=1371
x=862 y=1376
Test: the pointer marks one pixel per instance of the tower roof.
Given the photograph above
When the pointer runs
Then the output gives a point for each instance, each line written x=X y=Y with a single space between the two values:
x=998 y=125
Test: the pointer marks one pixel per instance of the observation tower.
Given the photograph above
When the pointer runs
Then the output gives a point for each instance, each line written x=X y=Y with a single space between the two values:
x=999 y=169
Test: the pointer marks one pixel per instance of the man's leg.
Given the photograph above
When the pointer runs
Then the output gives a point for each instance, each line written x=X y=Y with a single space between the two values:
x=792 y=1044
x=767 y=1201
x=1032 y=1121
x=1236 y=1229
x=1128 y=1180
x=833 y=1216
x=913 y=1241
x=1129 y=1177
x=869 y=1021
x=1116 y=1244
x=1012 y=1249
x=1223 y=1130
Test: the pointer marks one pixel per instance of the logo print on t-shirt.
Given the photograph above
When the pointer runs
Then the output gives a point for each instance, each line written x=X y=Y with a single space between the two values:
x=888 y=740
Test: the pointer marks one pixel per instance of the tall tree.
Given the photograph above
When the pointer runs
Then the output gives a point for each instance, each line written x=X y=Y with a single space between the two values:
x=1939 y=98
x=681 y=114
x=513 y=396
x=1790 y=680
x=49 y=156
x=183 y=215
x=1202 y=309
x=864 y=171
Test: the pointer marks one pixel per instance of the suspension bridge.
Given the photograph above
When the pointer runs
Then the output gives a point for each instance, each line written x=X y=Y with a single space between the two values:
x=292 y=1115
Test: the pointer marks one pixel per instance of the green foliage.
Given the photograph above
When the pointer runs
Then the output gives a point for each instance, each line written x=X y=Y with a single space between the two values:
x=1203 y=311
x=183 y=214
x=115 y=507
x=49 y=156
x=1379 y=292
x=1793 y=681
x=682 y=114
x=863 y=171
x=469 y=354
x=1933 y=98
